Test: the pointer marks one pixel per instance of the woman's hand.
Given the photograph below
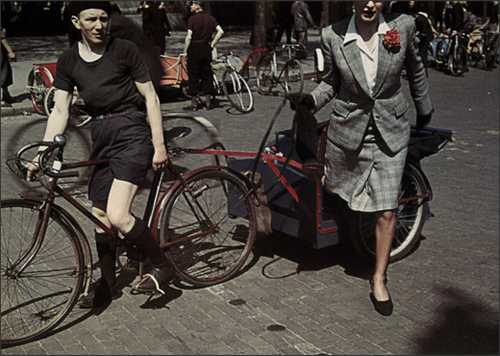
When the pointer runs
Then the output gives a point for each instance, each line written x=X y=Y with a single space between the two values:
x=160 y=157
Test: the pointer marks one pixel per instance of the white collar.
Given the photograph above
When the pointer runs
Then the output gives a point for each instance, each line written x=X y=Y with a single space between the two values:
x=352 y=33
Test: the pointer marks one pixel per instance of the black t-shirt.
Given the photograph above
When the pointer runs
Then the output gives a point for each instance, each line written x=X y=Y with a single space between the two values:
x=107 y=84
x=203 y=26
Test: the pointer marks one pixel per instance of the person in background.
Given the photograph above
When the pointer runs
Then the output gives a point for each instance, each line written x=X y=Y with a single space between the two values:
x=155 y=22
x=203 y=34
x=302 y=19
x=284 y=21
x=369 y=128
x=127 y=131
x=6 y=79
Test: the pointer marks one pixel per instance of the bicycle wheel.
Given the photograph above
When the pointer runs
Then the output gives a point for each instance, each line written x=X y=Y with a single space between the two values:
x=265 y=79
x=187 y=137
x=457 y=60
x=411 y=214
x=237 y=91
x=38 y=298
x=291 y=77
x=36 y=88
x=210 y=221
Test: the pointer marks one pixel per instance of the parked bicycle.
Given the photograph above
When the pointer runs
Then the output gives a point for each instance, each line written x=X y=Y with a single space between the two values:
x=46 y=257
x=482 y=48
x=231 y=83
x=284 y=76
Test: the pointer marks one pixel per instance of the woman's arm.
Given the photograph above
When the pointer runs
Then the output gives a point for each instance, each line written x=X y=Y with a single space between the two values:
x=155 y=122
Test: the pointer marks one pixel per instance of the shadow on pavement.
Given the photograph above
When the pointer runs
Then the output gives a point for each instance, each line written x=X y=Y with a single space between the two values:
x=462 y=325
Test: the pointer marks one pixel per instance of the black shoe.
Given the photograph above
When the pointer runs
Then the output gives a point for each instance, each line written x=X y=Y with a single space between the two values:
x=99 y=297
x=384 y=307
x=152 y=281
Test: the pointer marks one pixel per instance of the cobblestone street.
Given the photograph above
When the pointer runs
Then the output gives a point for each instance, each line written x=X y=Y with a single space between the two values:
x=292 y=299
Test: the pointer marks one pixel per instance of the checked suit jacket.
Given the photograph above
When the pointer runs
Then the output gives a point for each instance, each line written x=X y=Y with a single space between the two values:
x=344 y=81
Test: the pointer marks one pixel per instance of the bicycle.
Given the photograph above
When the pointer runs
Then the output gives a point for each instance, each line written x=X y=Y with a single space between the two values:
x=232 y=83
x=46 y=257
x=290 y=78
x=40 y=80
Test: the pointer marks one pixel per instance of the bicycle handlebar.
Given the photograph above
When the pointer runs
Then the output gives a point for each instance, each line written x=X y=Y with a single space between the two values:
x=54 y=171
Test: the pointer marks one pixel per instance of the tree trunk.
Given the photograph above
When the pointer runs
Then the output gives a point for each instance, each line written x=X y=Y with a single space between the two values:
x=259 y=27
x=325 y=14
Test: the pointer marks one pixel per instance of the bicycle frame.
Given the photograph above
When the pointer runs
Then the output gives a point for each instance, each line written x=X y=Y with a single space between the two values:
x=322 y=225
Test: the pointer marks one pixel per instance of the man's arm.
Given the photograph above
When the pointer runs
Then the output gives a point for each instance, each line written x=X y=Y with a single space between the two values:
x=187 y=41
x=218 y=34
x=58 y=118
x=155 y=122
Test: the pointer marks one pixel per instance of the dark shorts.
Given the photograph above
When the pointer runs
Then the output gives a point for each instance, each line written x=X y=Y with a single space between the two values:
x=124 y=140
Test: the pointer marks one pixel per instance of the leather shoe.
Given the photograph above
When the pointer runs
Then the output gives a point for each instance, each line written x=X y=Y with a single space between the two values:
x=383 y=307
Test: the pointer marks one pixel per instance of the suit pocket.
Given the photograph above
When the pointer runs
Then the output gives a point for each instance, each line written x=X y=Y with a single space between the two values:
x=400 y=108
x=341 y=109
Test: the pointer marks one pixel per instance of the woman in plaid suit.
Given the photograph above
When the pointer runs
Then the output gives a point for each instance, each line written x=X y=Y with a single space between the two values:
x=369 y=127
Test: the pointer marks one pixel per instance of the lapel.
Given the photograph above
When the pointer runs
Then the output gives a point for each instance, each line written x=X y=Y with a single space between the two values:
x=353 y=58
x=384 y=63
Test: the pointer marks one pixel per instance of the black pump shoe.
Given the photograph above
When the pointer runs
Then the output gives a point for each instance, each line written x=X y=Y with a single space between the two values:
x=383 y=307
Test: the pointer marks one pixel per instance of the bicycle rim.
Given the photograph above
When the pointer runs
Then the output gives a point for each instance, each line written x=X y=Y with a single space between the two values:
x=36 y=89
x=210 y=220
x=34 y=302
x=292 y=77
x=237 y=91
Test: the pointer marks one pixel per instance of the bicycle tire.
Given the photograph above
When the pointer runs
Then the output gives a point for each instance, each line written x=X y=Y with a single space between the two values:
x=291 y=77
x=237 y=91
x=46 y=273
x=411 y=215
x=36 y=89
x=264 y=75
x=204 y=257
x=187 y=136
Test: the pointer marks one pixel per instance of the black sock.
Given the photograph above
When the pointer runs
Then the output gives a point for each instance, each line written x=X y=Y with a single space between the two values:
x=140 y=235
x=106 y=251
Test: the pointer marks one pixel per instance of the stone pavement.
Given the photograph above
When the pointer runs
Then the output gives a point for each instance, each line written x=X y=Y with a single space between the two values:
x=292 y=299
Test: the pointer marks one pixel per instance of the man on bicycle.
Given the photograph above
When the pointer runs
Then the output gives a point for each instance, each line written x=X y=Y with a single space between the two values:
x=202 y=36
x=115 y=84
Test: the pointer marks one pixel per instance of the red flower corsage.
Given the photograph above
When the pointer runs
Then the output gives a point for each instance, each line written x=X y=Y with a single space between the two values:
x=392 y=40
